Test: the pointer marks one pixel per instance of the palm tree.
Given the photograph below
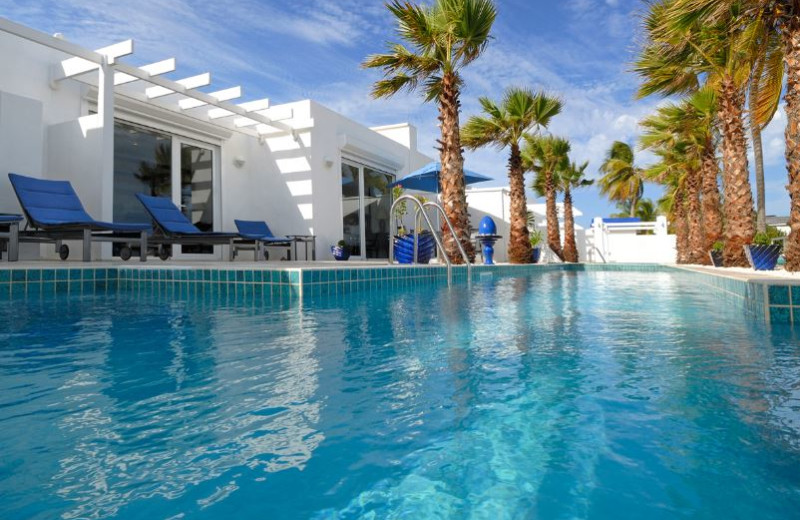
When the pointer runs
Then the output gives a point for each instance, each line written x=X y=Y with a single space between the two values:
x=685 y=129
x=571 y=177
x=673 y=204
x=775 y=29
x=671 y=172
x=645 y=210
x=682 y=46
x=504 y=125
x=622 y=180
x=546 y=156
x=444 y=38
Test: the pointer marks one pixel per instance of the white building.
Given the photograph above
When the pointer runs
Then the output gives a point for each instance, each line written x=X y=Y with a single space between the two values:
x=113 y=129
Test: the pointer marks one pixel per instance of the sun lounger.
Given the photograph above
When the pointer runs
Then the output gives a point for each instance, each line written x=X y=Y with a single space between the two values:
x=255 y=235
x=54 y=213
x=173 y=227
x=10 y=236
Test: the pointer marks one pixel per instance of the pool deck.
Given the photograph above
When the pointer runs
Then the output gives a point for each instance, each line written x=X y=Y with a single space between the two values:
x=772 y=296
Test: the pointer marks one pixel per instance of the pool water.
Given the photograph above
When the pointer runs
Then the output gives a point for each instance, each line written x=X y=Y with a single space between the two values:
x=559 y=395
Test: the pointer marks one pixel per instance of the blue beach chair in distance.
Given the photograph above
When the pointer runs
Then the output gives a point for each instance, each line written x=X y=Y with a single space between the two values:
x=54 y=213
x=255 y=235
x=9 y=235
x=172 y=227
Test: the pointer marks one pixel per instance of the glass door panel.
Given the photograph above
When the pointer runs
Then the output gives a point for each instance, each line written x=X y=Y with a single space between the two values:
x=351 y=207
x=377 y=204
x=197 y=192
x=142 y=164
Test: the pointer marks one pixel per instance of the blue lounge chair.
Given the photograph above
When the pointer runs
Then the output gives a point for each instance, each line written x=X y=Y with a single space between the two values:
x=10 y=236
x=172 y=227
x=55 y=213
x=255 y=235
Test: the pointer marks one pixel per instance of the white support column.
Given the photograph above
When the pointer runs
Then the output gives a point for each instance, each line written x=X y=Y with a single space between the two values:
x=105 y=114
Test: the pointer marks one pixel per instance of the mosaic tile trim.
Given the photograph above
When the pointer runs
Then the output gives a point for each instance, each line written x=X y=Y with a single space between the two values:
x=15 y=283
x=774 y=301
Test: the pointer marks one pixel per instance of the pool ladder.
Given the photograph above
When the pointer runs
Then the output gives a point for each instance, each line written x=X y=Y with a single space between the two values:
x=420 y=211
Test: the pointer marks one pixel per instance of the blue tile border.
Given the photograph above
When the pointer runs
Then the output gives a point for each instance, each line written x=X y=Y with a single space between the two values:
x=774 y=301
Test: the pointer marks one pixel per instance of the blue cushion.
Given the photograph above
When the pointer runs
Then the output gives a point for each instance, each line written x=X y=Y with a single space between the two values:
x=258 y=230
x=50 y=204
x=167 y=215
x=6 y=219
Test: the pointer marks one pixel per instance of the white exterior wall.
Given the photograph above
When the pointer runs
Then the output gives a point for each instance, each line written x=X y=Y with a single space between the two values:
x=293 y=184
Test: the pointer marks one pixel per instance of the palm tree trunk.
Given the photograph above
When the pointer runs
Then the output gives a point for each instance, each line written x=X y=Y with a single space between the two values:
x=712 y=212
x=681 y=226
x=738 y=203
x=553 y=232
x=697 y=251
x=519 y=245
x=634 y=200
x=758 y=157
x=791 y=39
x=570 y=249
x=454 y=197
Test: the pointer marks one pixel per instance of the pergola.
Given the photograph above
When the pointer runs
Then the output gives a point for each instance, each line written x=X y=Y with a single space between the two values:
x=103 y=69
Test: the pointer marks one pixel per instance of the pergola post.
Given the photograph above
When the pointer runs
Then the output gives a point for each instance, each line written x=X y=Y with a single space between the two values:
x=105 y=114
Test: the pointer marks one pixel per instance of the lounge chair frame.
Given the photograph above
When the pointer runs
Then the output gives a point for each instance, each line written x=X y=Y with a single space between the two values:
x=85 y=229
x=10 y=237
x=162 y=236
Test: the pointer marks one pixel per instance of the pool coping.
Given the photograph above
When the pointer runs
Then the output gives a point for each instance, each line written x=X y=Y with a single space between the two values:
x=773 y=299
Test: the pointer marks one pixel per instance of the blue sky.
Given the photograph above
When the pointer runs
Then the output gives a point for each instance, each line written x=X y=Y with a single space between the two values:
x=579 y=50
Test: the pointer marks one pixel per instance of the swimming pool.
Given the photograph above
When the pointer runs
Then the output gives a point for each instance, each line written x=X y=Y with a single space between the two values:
x=557 y=395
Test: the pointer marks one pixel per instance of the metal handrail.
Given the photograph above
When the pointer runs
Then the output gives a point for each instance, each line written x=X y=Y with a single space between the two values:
x=461 y=249
x=436 y=238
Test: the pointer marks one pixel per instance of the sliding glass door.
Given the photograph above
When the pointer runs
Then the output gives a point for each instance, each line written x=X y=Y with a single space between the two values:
x=159 y=164
x=366 y=203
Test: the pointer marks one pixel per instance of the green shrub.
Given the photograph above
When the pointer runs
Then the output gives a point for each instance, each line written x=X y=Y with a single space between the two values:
x=535 y=237
x=767 y=238
x=718 y=246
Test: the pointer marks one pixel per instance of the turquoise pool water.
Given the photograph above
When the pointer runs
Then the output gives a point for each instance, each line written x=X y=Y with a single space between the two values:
x=560 y=395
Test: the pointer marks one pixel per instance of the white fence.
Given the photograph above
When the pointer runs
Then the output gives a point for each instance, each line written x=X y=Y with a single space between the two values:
x=630 y=242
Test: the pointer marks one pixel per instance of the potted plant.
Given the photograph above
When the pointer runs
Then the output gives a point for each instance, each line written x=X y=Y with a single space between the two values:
x=404 y=241
x=763 y=253
x=340 y=251
x=716 y=254
x=536 y=239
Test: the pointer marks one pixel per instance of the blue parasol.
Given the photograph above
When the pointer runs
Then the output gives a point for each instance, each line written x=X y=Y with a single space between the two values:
x=427 y=178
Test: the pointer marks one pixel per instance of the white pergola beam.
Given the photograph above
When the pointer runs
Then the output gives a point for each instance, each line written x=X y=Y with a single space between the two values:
x=242 y=122
x=277 y=113
x=218 y=113
x=153 y=69
x=77 y=51
x=252 y=106
x=220 y=95
x=77 y=65
x=201 y=80
x=202 y=96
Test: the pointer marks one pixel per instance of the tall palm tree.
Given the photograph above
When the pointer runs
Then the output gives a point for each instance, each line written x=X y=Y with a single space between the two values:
x=671 y=172
x=571 y=177
x=443 y=38
x=622 y=180
x=673 y=203
x=504 y=125
x=775 y=25
x=686 y=128
x=546 y=156
x=682 y=42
